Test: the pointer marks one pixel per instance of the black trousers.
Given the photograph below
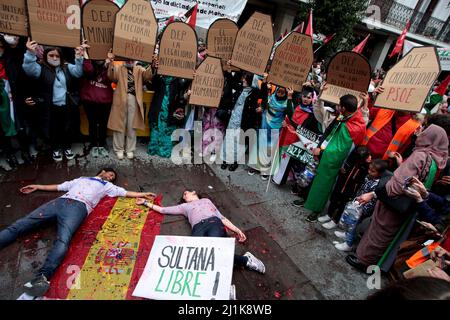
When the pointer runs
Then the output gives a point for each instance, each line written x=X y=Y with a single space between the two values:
x=60 y=119
x=98 y=115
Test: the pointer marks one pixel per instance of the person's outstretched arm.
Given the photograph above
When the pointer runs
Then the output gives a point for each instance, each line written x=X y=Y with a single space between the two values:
x=146 y=195
x=174 y=210
x=34 y=187
x=227 y=223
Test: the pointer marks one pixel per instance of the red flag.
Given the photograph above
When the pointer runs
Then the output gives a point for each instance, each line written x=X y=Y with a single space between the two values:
x=299 y=28
x=442 y=88
x=360 y=47
x=328 y=39
x=192 y=21
x=171 y=19
x=401 y=39
x=309 y=28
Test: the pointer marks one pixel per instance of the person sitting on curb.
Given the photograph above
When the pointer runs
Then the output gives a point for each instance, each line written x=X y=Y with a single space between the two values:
x=82 y=196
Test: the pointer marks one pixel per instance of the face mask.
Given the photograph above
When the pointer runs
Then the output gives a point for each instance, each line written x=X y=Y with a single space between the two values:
x=54 y=63
x=11 y=40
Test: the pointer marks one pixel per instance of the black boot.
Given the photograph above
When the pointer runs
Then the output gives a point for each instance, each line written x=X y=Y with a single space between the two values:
x=224 y=166
x=12 y=161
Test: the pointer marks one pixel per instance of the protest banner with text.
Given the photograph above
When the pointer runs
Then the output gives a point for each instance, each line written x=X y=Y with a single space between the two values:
x=178 y=51
x=208 y=84
x=254 y=44
x=188 y=268
x=135 y=31
x=13 y=17
x=98 y=18
x=408 y=83
x=55 y=23
x=292 y=61
x=348 y=73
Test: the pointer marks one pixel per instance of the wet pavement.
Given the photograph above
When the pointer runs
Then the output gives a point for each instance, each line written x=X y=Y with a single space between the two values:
x=301 y=261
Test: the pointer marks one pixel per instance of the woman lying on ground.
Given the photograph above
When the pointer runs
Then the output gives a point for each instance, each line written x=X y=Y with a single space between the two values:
x=207 y=221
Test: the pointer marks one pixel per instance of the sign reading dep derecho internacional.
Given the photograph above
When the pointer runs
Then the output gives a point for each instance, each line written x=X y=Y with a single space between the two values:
x=135 y=31
x=292 y=61
x=208 y=83
x=221 y=38
x=188 y=268
x=178 y=51
x=13 y=17
x=408 y=83
x=348 y=73
x=254 y=44
x=98 y=27
x=55 y=23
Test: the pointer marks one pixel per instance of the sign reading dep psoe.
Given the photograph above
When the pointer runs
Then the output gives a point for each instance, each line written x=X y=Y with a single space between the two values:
x=188 y=268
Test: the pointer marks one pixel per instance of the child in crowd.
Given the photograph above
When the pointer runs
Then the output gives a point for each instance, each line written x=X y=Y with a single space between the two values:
x=350 y=178
x=376 y=170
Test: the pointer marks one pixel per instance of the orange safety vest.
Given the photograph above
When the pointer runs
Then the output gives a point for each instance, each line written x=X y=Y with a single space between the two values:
x=382 y=118
x=401 y=136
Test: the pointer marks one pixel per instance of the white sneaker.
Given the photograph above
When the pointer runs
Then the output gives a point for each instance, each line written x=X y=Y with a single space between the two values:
x=330 y=225
x=343 y=247
x=69 y=154
x=324 y=218
x=254 y=263
x=130 y=155
x=57 y=156
x=120 y=155
x=340 y=234
x=213 y=158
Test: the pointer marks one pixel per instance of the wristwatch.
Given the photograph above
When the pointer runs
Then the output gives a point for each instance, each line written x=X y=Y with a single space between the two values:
x=146 y=203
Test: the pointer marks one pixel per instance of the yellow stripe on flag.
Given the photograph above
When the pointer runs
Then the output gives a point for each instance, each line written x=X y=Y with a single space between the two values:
x=108 y=268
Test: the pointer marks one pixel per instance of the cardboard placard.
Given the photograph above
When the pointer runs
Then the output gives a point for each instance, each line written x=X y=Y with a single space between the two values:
x=348 y=73
x=408 y=83
x=254 y=44
x=208 y=83
x=55 y=23
x=420 y=270
x=13 y=17
x=178 y=51
x=135 y=31
x=188 y=268
x=292 y=61
x=98 y=18
x=221 y=38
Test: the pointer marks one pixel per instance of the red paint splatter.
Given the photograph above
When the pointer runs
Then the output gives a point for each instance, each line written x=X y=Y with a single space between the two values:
x=277 y=294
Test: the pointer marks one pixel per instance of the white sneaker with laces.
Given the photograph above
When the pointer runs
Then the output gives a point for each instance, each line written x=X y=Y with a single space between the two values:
x=254 y=263
x=324 y=218
x=57 y=156
x=330 y=225
x=343 y=247
x=340 y=234
x=68 y=153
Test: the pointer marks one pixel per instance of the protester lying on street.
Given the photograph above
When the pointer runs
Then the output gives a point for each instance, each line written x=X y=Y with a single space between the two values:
x=56 y=92
x=82 y=196
x=207 y=221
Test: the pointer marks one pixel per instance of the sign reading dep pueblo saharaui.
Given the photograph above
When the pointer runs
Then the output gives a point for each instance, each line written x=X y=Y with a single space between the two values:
x=348 y=73
x=253 y=45
x=408 y=83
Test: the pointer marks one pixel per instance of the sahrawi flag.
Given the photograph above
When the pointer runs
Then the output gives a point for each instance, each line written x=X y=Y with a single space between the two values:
x=436 y=97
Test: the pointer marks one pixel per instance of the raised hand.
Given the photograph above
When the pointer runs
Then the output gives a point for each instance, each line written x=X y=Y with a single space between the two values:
x=32 y=46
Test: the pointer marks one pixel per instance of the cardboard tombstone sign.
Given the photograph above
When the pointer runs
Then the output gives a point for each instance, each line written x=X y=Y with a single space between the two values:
x=221 y=38
x=13 y=17
x=207 y=87
x=188 y=268
x=98 y=27
x=292 y=61
x=178 y=51
x=135 y=31
x=55 y=23
x=348 y=73
x=253 y=45
x=408 y=83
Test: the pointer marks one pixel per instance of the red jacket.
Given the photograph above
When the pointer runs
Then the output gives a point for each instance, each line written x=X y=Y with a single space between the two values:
x=95 y=85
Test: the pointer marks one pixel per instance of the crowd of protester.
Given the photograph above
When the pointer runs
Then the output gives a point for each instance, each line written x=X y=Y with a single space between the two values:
x=374 y=173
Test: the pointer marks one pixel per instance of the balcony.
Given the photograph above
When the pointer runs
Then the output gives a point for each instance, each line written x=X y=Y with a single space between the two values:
x=398 y=15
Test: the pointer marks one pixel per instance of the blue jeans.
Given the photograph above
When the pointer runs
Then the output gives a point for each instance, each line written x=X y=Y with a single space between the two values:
x=213 y=227
x=69 y=214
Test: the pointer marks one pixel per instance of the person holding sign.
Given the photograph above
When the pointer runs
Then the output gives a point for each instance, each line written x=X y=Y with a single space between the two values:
x=207 y=221
x=56 y=93
x=339 y=139
x=127 y=111
x=274 y=108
